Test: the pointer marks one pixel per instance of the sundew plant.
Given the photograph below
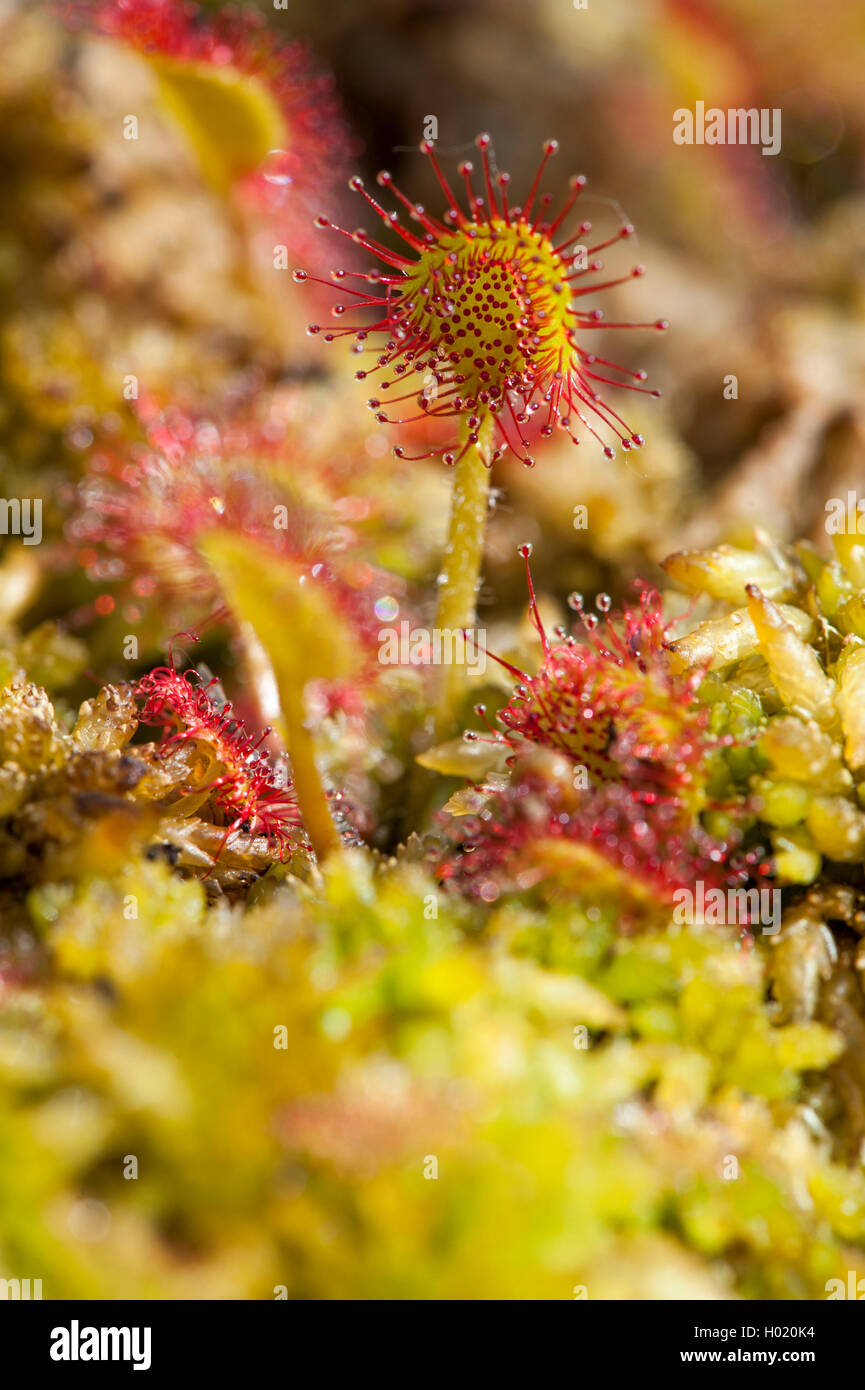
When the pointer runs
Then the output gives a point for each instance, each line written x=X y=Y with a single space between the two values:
x=432 y=652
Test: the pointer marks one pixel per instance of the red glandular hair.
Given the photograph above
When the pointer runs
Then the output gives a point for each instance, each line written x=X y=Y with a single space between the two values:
x=243 y=787
x=610 y=701
x=525 y=832
x=609 y=753
x=484 y=305
x=144 y=512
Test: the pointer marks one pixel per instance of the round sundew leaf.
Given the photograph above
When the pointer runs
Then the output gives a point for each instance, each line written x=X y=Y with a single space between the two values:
x=230 y=118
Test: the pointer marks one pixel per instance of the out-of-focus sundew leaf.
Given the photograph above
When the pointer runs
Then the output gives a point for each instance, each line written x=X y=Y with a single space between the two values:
x=306 y=637
x=230 y=119
x=297 y=622
x=275 y=1021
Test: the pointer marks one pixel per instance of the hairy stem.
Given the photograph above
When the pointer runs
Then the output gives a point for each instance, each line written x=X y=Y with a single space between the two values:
x=461 y=567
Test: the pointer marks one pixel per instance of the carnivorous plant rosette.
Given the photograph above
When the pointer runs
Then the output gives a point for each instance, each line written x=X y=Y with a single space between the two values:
x=612 y=762
x=537 y=830
x=484 y=306
x=610 y=701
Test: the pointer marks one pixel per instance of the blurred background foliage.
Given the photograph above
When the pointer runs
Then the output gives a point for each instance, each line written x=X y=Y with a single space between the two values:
x=414 y=1028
